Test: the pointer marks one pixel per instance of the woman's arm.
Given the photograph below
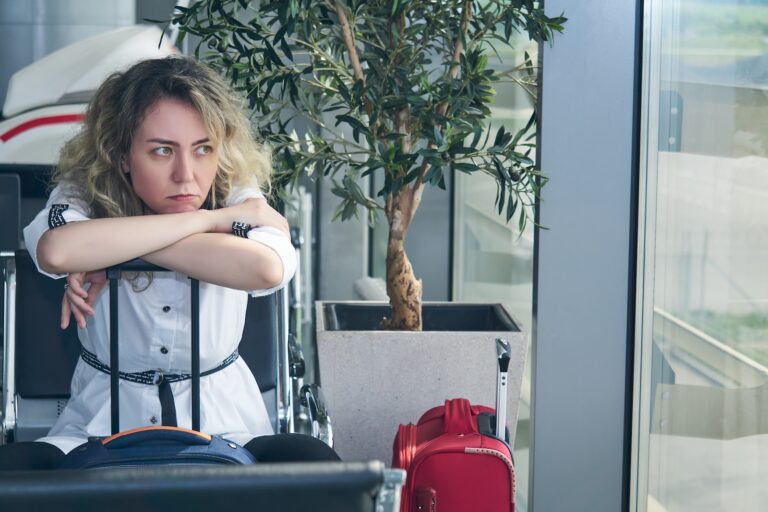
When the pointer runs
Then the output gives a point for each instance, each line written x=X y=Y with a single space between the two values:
x=95 y=244
x=222 y=259
x=264 y=261
x=99 y=243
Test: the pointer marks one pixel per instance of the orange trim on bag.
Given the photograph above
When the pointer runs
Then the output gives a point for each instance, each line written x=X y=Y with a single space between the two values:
x=141 y=429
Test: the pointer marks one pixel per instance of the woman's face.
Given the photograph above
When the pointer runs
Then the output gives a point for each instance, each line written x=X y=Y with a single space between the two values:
x=172 y=161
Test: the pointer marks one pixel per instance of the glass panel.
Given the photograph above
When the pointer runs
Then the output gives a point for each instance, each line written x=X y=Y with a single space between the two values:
x=701 y=435
x=493 y=262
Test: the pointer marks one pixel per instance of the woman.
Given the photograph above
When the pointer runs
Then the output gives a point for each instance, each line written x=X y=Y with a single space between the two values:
x=164 y=169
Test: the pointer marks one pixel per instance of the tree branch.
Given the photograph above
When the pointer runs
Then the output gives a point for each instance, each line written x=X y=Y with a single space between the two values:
x=442 y=108
x=457 y=50
x=349 y=42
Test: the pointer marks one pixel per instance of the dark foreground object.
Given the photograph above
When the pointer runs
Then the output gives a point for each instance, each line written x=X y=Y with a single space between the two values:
x=289 y=487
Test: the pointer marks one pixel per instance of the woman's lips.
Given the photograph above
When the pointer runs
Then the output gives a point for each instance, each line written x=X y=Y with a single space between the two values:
x=183 y=197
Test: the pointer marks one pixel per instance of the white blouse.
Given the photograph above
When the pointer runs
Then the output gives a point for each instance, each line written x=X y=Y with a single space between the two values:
x=155 y=334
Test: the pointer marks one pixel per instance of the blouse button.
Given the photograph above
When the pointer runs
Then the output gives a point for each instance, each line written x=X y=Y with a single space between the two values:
x=153 y=419
x=164 y=350
x=166 y=309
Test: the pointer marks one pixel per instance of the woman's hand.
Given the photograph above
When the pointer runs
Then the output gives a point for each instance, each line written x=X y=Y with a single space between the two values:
x=78 y=301
x=255 y=212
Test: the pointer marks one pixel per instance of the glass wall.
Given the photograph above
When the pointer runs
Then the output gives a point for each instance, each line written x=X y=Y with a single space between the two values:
x=701 y=401
x=493 y=261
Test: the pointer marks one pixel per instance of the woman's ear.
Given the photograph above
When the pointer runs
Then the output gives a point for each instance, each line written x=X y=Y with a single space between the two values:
x=124 y=166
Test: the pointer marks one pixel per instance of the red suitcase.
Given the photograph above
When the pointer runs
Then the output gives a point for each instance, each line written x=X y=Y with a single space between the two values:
x=456 y=458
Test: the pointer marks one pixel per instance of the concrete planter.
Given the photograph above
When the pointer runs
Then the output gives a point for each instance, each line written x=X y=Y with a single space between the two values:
x=374 y=380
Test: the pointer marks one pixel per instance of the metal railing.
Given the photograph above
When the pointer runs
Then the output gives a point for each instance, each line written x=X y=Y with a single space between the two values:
x=713 y=358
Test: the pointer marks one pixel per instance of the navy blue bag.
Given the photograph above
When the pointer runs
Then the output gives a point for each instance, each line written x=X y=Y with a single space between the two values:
x=149 y=446
x=156 y=445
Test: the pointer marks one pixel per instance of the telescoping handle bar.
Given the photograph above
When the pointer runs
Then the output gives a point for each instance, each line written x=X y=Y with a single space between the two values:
x=113 y=274
x=503 y=354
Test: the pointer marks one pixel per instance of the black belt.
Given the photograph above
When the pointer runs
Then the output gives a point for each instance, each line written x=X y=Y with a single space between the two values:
x=157 y=378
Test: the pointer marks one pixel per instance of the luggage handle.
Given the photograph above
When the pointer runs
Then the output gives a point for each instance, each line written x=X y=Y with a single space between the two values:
x=135 y=265
x=458 y=417
x=148 y=435
x=504 y=355
x=113 y=274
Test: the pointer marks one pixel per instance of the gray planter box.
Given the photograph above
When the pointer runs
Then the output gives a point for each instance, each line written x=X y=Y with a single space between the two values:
x=374 y=380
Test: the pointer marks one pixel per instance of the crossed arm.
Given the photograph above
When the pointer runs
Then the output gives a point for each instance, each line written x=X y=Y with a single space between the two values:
x=198 y=244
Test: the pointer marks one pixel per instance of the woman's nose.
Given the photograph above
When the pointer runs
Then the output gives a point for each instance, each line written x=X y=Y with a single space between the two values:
x=183 y=169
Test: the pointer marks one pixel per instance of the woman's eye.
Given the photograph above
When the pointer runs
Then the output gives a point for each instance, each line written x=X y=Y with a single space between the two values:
x=203 y=150
x=162 y=151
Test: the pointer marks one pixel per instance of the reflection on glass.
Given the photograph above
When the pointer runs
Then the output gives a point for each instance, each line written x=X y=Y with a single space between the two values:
x=706 y=248
x=493 y=262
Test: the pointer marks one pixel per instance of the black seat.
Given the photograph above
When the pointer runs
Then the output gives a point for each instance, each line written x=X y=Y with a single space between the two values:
x=259 y=347
x=45 y=354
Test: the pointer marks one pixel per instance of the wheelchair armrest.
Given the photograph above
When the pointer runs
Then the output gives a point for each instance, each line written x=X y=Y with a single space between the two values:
x=312 y=398
x=296 y=365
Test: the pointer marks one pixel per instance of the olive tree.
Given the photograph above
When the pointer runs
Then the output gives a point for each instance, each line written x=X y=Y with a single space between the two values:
x=396 y=87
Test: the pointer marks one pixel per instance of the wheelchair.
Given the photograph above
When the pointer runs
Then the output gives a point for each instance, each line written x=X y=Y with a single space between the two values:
x=35 y=391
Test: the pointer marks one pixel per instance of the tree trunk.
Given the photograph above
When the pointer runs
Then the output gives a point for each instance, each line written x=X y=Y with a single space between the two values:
x=403 y=288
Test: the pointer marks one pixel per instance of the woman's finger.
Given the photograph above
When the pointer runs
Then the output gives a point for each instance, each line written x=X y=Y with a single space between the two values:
x=78 y=304
x=69 y=309
x=79 y=317
x=75 y=282
x=66 y=311
x=76 y=312
x=94 y=291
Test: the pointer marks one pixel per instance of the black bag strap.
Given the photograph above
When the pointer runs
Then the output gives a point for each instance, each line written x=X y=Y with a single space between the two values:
x=113 y=274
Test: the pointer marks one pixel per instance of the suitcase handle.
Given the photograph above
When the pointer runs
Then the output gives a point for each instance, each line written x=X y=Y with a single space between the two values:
x=113 y=274
x=135 y=265
x=458 y=417
x=504 y=355
x=148 y=435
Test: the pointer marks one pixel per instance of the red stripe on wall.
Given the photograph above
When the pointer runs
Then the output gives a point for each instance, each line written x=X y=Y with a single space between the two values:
x=41 y=121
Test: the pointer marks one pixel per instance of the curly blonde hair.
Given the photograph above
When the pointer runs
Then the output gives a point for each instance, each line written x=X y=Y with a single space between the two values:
x=91 y=160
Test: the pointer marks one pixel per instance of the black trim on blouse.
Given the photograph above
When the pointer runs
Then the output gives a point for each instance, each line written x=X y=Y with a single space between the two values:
x=55 y=215
x=241 y=228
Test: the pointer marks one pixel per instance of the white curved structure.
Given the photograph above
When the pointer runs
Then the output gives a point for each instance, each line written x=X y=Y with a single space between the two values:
x=46 y=100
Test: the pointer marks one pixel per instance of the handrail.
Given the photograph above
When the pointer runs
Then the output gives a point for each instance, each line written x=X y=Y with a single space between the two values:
x=731 y=366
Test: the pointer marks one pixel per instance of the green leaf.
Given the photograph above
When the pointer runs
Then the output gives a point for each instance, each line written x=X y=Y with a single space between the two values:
x=502 y=181
x=466 y=167
x=353 y=122
x=499 y=136
x=511 y=207
x=434 y=174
